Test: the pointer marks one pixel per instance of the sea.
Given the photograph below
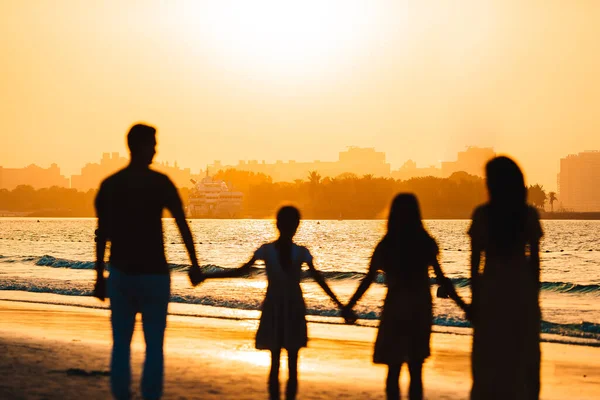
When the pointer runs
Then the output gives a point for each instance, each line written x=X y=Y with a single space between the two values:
x=51 y=260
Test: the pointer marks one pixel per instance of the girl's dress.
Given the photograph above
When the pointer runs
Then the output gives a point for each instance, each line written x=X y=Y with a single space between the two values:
x=405 y=326
x=506 y=336
x=283 y=319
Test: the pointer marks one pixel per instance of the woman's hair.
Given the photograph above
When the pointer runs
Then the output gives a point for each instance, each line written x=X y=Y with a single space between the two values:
x=406 y=239
x=288 y=220
x=507 y=203
x=405 y=215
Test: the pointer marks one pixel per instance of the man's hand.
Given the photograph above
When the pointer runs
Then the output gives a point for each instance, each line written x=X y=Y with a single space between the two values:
x=195 y=274
x=100 y=286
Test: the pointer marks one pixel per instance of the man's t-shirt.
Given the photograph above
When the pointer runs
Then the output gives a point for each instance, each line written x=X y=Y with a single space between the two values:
x=129 y=206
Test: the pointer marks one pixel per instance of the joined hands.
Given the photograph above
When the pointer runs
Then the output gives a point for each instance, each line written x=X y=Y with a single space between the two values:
x=196 y=275
x=349 y=315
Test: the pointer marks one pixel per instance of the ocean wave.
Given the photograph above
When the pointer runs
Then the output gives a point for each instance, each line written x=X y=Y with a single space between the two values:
x=583 y=330
x=459 y=282
x=568 y=287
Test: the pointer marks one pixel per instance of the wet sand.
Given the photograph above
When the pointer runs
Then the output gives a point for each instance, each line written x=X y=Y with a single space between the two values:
x=62 y=352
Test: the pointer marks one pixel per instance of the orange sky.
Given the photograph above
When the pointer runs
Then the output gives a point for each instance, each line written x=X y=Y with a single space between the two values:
x=267 y=80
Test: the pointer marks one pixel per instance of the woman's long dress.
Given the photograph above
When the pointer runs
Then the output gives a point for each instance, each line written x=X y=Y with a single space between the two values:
x=506 y=337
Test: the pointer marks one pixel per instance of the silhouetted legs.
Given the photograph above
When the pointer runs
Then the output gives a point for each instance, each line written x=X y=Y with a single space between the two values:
x=392 y=384
x=130 y=294
x=122 y=319
x=292 y=383
x=154 y=306
x=274 y=375
x=415 y=391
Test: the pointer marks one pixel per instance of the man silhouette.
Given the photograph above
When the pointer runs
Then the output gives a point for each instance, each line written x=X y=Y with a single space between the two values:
x=129 y=207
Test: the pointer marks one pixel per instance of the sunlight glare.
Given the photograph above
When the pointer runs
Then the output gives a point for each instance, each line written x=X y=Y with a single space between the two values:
x=287 y=38
x=247 y=354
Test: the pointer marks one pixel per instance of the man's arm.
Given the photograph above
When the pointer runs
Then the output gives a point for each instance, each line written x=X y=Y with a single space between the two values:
x=175 y=207
x=186 y=233
x=101 y=239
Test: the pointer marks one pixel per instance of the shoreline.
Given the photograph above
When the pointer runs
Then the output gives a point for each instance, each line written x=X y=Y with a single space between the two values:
x=67 y=349
x=544 y=216
x=196 y=310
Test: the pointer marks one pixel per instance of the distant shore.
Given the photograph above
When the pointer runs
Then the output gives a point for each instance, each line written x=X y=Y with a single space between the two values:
x=547 y=215
x=570 y=215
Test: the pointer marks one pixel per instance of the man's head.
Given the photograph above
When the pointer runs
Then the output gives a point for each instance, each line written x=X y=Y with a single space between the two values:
x=141 y=140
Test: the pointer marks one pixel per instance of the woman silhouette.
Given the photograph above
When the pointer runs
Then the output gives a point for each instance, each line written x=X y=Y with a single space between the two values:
x=505 y=308
x=405 y=254
x=282 y=322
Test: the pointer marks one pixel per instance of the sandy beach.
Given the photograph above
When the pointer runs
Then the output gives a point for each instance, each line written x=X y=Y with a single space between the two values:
x=62 y=352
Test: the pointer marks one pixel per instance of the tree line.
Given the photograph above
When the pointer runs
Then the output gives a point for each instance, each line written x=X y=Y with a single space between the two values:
x=349 y=196
x=346 y=196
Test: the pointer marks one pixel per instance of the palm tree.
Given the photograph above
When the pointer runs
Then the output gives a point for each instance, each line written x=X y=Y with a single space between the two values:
x=314 y=178
x=551 y=199
x=537 y=195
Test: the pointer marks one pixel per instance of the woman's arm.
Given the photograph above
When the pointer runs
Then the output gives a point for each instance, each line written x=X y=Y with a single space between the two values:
x=321 y=281
x=233 y=272
x=447 y=286
x=475 y=277
x=534 y=259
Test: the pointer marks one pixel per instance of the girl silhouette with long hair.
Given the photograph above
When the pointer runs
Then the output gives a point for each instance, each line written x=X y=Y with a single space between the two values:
x=505 y=307
x=283 y=319
x=405 y=254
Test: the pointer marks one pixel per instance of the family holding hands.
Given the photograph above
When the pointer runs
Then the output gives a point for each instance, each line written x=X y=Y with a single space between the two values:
x=506 y=354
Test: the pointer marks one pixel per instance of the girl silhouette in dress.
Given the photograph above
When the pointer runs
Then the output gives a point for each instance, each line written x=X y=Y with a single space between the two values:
x=283 y=319
x=405 y=254
x=505 y=308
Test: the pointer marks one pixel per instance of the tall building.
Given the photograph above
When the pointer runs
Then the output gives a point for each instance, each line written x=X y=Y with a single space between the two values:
x=92 y=174
x=579 y=182
x=181 y=177
x=471 y=161
x=32 y=175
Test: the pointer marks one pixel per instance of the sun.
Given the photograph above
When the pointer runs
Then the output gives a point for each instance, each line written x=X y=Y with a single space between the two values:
x=281 y=38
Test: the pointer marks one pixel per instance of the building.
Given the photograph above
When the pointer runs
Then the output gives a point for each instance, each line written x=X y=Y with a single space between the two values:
x=181 y=177
x=579 y=182
x=92 y=174
x=410 y=170
x=357 y=160
x=34 y=176
x=471 y=161
x=363 y=161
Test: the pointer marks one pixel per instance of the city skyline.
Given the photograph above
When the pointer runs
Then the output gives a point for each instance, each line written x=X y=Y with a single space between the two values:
x=414 y=80
x=471 y=160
